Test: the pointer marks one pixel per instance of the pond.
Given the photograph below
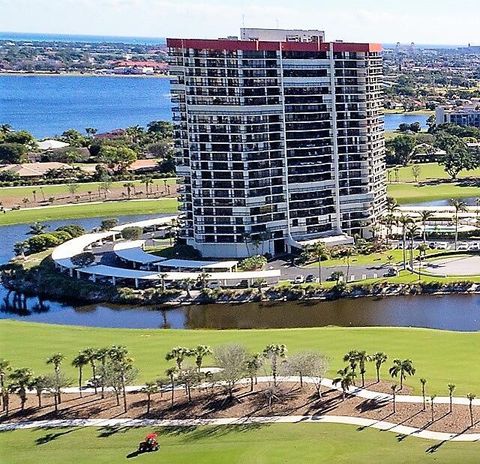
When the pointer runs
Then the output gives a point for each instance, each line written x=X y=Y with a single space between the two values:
x=393 y=120
x=452 y=312
x=470 y=201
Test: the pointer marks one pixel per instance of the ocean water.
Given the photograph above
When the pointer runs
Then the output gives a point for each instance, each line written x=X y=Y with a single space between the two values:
x=49 y=105
x=32 y=37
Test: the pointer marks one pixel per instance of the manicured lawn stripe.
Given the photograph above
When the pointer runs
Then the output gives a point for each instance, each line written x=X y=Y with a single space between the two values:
x=261 y=444
x=442 y=357
x=428 y=171
x=411 y=193
x=114 y=208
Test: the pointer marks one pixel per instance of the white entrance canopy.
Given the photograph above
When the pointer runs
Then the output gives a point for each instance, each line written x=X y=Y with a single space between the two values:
x=193 y=264
x=157 y=222
x=63 y=254
x=133 y=251
x=329 y=240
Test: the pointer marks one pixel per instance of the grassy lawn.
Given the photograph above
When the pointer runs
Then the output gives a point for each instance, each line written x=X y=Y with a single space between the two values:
x=263 y=444
x=372 y=259
x=441 y=357
x=62 y=189
x=114 y=208
x=428 y=171
x=408 y=193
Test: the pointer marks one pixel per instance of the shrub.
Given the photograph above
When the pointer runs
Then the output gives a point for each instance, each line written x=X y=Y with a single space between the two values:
x=42 y=242
x=62 y=235
x=73 y=229
x=108 y=224
x=132 y=233
x=253 y=263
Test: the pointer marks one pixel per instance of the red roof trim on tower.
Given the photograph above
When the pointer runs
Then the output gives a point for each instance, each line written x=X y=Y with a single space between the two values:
x=247 y=45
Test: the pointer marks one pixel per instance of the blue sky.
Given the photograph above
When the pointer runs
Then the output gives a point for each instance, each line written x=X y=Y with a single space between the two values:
x=421 y=21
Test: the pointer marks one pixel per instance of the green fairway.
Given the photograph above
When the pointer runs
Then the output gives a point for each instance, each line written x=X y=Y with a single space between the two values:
x=62 y=189
x=428 y=171
x=411 y=193
x=441 y=357
x=260 y=444
x=113 y=208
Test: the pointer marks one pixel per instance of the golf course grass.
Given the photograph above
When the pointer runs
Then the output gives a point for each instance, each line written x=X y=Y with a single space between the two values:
x=413 y=193
x=86 y=210
x=441 y=357
x=82 y=187
x=428 y=171
x=259 y=444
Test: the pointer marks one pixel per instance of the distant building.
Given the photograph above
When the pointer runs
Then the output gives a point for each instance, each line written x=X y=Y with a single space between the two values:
x=34 y=170
x=51 y=145
x=466 y=115
x=279 y=140
x=140 y=67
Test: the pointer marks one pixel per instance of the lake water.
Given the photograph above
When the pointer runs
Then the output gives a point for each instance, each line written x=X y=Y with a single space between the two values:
x=49 y=105
x=452 y=312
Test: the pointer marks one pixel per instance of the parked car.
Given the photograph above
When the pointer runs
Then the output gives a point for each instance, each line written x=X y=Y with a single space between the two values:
x=462 y=246
x=391 y=272
x=311 y=278
x=214 y=284
x=475 y=246
x=242 y=284
x=441 y=245
x=300 y=279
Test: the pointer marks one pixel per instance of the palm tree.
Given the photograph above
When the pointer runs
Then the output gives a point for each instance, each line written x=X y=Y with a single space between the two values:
x=187 y=284
x=471 y=397
x=102 y=355
x=37 y=228
x=199 y=353
x=352 y=358
x=91 y=131
x=362 y=360
x=202 y=278
x=57 y=359
x=347 y=255
x=92 y=356
x=423 y=382
x=345 y=377
x=171 y=373
x=20 y=382
x=460 y=206
x=256 y=242
x=149 y=389
x=451 y=389
x=147 y=180
x=389 y=220
x=404 y=221
x=34 y=194
x=394 y=397
x=79 y=362
x=274 y=352
x=412 y=230
x=163 y=276
x=253 y=364
x=402 y=368
x=129 y=186
x=179 y=353
x=425 y=216
x=378 y=358
x=39 y=384
x=5 y=367
x=432 y=399
x=247 y=239
x=119 y=355
x=5 y=128
x=319 y=250
x=392 y=205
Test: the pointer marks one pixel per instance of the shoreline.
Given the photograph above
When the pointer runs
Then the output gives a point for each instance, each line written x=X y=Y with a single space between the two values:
x=79 y=74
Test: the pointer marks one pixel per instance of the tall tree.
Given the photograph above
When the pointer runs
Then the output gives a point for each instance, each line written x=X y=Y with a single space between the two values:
x=345 y=378
x=199 y=353
x=425 y=216
x=460 y=207
x=275 y=352
x=5 y=368
x=149 y=389
x=451 y=389
x=56 y=360
x=20 y=383
x=378 y=358
x=79 y=362
x=179 y=353
x=319 y=250
x=402 y=368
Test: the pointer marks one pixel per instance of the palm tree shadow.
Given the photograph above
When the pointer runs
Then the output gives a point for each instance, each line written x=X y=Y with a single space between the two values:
x=51 y=436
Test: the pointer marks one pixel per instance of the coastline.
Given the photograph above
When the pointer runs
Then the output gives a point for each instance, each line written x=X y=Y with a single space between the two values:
x=79 y=74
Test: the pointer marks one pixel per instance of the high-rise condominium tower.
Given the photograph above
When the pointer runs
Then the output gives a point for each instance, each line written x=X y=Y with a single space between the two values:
x=279 y=140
